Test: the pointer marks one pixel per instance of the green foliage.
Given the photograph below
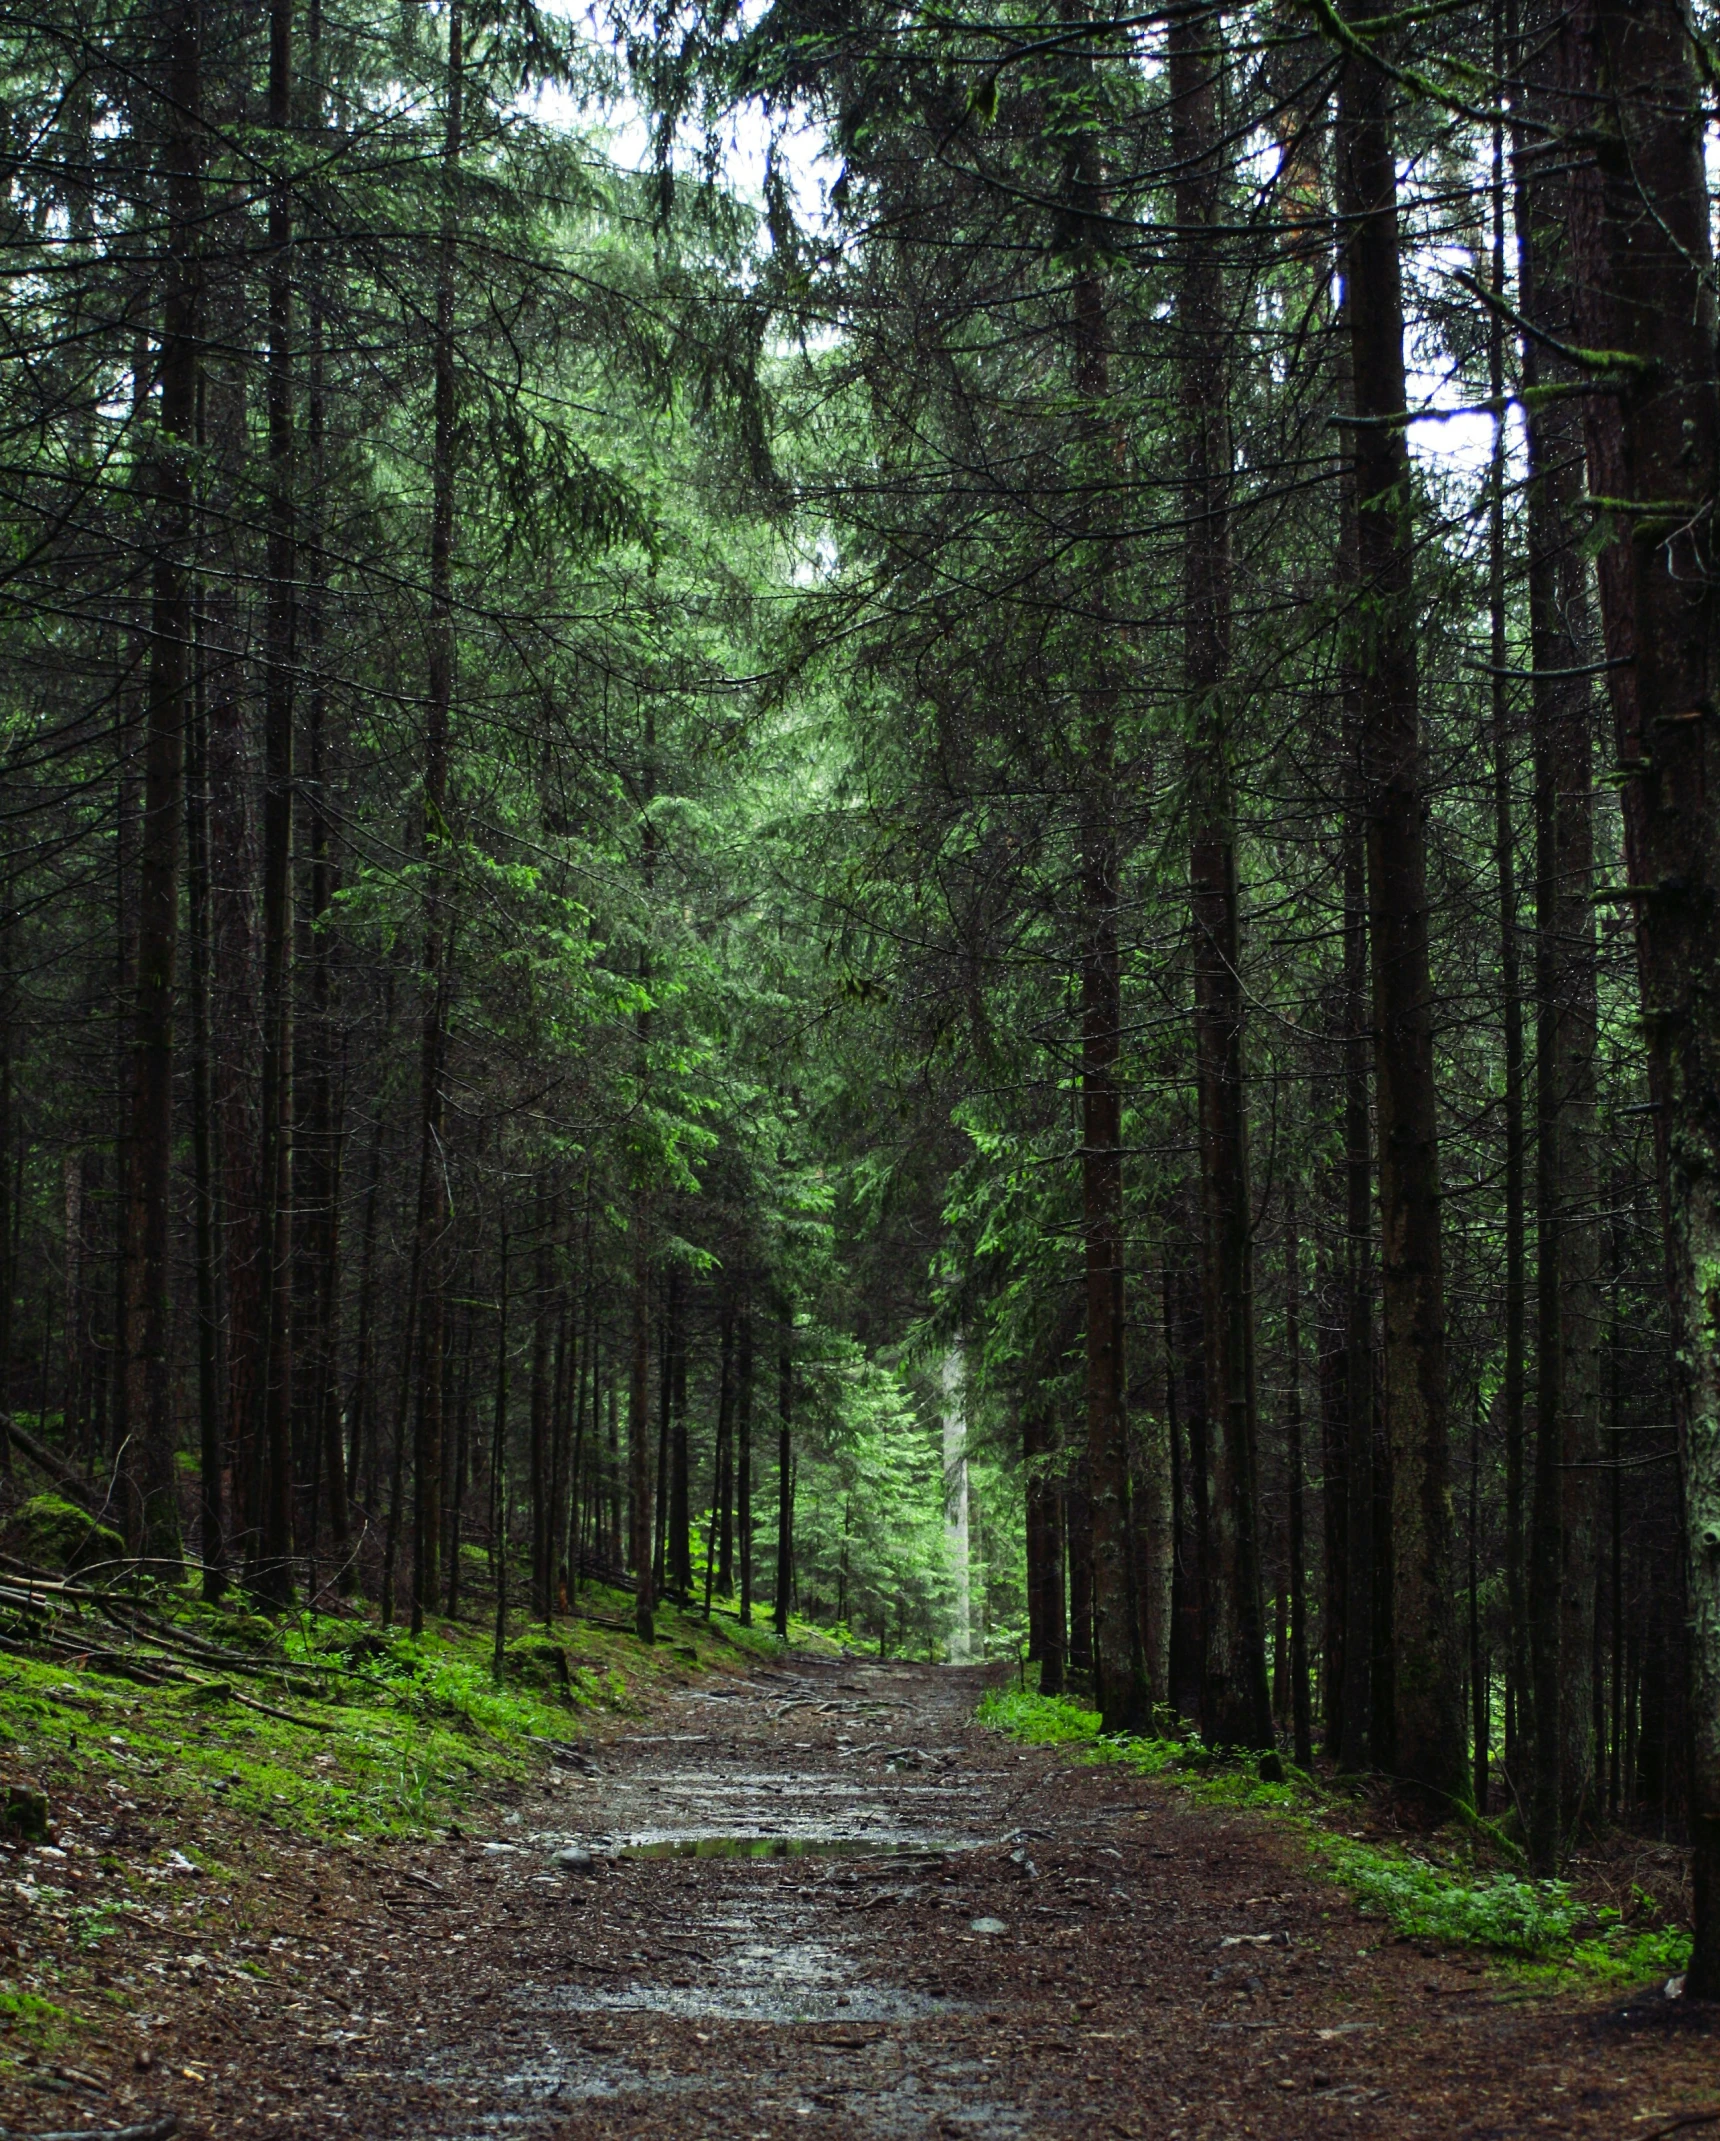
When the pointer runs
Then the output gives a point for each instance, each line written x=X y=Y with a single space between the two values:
x=1426 y=1902
x=1039 y=1720
x=1056 y=1721
x=1535 y=1922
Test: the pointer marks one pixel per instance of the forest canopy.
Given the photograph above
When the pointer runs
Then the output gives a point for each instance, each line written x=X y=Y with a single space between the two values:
x=897 y=816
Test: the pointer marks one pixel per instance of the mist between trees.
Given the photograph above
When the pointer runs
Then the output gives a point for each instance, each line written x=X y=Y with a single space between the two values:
x=721 y=891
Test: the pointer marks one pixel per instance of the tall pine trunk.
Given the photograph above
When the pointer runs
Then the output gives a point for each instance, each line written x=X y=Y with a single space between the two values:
x=153 y=1503
x=438 y=952
x=1426 y=1713
x=784 y=1475
x=743 y=1460
x=1118 y=1667
x=1562 y=1576
x=1510 y=983
x=272 y=1568
x=1639 y=219
x=1237 y=1708
x=322 y=1138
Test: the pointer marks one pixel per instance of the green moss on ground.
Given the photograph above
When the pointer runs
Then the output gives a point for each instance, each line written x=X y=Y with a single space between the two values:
x=380 y=1732
x=1442 y=1893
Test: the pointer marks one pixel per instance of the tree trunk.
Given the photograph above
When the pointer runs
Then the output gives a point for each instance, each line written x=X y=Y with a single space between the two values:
x=1510 y=984
x=1639 y=219
x=639 y=1424
x=1426 y=1715
x=1183 y=1663
x=438 y=948
x=1035 y=1439
x=1238 y=1703
x=272 y=1575
x=722 y=1549
x=541 y=1414
x=743 y=1437
x=8 y=1198
x=153 y=1500
x=1296 y=1542
x=680 y=1485
x=1354 y=1749
x=1562 y=1587
x=1119 y=1674
x=322 y=1140
x=212 y=1455
x=665 y=1402
x=784 y=1476
x=499 y=1463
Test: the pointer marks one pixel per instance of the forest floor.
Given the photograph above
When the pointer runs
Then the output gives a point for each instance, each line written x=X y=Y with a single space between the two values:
x=959 y=1936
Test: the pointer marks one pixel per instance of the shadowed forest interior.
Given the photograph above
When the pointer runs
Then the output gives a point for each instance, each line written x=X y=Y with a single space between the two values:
x=890 y=818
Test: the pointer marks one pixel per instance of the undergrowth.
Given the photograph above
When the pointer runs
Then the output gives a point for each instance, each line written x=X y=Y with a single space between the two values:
x=1542 y=1926
x=381 y=1732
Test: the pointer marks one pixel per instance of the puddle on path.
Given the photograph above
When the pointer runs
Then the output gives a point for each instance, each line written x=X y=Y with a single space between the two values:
x=889 y=1852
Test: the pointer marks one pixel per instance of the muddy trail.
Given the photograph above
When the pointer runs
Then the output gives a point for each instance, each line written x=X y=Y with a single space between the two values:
x=821 y=1901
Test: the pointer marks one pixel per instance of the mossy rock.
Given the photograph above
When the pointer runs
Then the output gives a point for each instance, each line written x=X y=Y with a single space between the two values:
x=534 y=1661
x=245 y=1630
x=56 y=1534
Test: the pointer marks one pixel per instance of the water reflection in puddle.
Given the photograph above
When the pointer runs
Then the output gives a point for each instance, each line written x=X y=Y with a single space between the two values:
x=887 y=1851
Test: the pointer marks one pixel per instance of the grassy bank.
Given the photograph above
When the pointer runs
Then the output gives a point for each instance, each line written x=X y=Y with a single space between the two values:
x=168 y=1770
x=1460 y=1887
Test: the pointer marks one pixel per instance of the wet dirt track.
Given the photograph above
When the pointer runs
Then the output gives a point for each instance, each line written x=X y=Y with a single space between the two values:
x=999 y=1943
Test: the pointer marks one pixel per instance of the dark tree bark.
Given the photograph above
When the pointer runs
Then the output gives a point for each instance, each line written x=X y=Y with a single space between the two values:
x=784 y=1476
x=499 y=1462
x=743 y=1461
x=8 y=1199
x=438 y=947
x=272 y=1572
x=1035 y=1451
x=1119 y=1670
x=680 y=1489
x=153 y=1502
x=722 y=1496
x=1183 y=1667
x=321 y=1143
x=639 y=1428
x=1510 y=980
x=1562 y=1590
x=361 y=1403
x=541 y=1417
x=1078 y=1557
x=1639 y=220
x=1238 y=1708
x=206 y=1221
x=665 y=1404
x=1296 y=1540
x=1427 y=1715
x=1354 y=1749
x=1334 y=1540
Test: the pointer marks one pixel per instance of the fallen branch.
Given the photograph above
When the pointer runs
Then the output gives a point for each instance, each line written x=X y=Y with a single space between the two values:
x=309 y=1724
x=150 y=2130
x=1685 y=2119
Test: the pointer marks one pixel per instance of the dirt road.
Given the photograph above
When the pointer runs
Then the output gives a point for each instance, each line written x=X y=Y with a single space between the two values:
x=959 y=1938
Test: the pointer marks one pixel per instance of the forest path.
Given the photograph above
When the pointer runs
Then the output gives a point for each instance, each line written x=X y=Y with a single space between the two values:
x=1003 y=1943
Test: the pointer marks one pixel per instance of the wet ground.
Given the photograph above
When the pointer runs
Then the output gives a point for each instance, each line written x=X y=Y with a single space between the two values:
x=820 y=1901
